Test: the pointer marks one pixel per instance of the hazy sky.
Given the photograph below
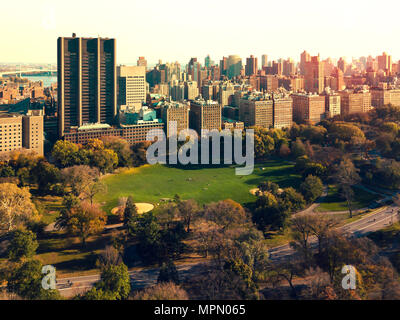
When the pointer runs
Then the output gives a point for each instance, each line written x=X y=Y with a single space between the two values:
x=179 y=29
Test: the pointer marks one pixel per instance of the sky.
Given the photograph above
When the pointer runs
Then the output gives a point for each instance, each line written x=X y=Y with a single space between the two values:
x=176 y=30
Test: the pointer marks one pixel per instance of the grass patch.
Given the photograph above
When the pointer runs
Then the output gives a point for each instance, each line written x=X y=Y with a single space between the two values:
x=49 y=207
x=333 y=201
x=152 y=183
x=67 y=254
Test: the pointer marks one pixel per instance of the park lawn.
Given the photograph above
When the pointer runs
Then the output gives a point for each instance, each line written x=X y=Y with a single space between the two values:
x=333 y=202
x=153 y=183
x=49 y=207
x=68 y=256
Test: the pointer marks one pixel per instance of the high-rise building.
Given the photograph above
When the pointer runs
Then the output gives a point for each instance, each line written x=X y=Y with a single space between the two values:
x=283 y=111
x=142 y=62
x=32 y=131
x=205 y=115
x=86 y=81
x=332 y=104
x=175 y=116
x=304 y=58
x=257 y=110
x=355 y=102
x=264 y=61
x=234 y=66
x=131 y=87
x=314 y=75
x=251 y=66
x=381 y=97
x=308 y=108
x=191 y=90
x=19 y=132
x=385 y=63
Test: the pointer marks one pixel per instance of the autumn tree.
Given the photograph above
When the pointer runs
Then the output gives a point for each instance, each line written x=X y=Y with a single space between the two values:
x=15 y=206
x=84 y=219
x=188 y=211
x=80 y=178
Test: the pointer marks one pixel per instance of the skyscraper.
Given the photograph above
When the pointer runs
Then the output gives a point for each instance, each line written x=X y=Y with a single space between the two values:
x=264 y=60
x=314 y=75
x=86 y=81
x=304 y=57
x=131 y=87
x=251 y=65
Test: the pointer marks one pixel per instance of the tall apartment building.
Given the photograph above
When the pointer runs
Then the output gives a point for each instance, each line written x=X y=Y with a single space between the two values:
x=177 y=91
x=175 y=116
x=314 y=75
x=32 y=131
x=22 y=131
x=283 y=111
x=86 y=81
x=257 y=110
x=304 y=58
x=205 y=115
x=266 y=110
x=191 y=90
x=251 y=65
x=332 y=104
x=381 y=97
x=269 y=83
x=10 y=133
x=131 y=87
x=308 y=108
x=264 y=60
x=355 y=102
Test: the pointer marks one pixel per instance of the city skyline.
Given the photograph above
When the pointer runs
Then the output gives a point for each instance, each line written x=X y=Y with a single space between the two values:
x=172 y=34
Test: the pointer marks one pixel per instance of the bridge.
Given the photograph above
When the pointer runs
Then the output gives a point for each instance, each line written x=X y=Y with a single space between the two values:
x=27 y=72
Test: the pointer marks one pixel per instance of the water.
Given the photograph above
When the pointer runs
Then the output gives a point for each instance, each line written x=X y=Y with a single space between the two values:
x=47 y=80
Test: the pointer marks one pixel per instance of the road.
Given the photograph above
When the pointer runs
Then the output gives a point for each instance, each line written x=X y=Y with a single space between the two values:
x=142 y=278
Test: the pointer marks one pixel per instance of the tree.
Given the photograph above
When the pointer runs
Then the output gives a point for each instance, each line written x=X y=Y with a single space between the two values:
x=15 y=205
x=23 y=245
x=162 y=291
x=47 y=176
x=346 y=176
x=268 y=214
x=188 y=211
x=26 y=281
x=94 y=188
x=65 y=153
x=287 y=271
x=226 y=213
x=298 y=149
x=291 y=201
x=104 y=159
x=110 y=256
x=114 y=284
x=84 y=219
x=269 y=186
x=130 y=210
x=168 y=273
x=311 y=188
x=301 y=233
x=79 y=178
x=121 y=148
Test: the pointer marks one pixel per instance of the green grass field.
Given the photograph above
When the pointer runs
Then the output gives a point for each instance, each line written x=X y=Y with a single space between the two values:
x=152 y=183
x=333 y=202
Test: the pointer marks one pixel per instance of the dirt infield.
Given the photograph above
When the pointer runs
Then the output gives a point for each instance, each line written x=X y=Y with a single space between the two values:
x=141 y=208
